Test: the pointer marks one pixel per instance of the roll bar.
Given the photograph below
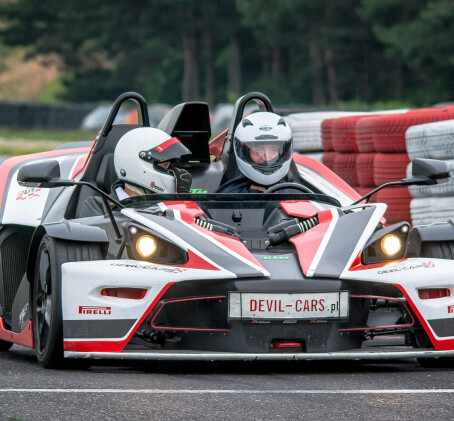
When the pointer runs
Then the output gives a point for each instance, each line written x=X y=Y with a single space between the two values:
x=141 y=106
x=264 y=104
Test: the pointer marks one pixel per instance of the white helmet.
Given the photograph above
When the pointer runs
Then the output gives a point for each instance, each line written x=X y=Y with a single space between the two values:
x=263 y=147
x=140 y=150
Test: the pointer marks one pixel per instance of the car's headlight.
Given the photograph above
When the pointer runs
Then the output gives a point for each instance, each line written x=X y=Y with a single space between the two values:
x=386 y=244
x=391 y=245
x=144 y=244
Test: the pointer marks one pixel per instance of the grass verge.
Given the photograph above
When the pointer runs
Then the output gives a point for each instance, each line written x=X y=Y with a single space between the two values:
x=15 y=142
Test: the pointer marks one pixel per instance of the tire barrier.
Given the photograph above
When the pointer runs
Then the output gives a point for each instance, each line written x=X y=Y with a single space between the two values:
x=345 y=167
x=315 y=155
x=363 y=190
x=436 y=190
x=389 y=130
x=390 y=167
x=364 y=134
x=328 y=159
x=43 y=116
x=381 y=144
x=343 y=133
x=307 y=130
x=398 y=199
x=434 y=141
x=431 y=140
x=365 y=169
x=327 y=134
x=426 y=210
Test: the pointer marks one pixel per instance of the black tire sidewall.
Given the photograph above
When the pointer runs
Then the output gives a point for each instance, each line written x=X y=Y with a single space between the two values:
x=52 y=354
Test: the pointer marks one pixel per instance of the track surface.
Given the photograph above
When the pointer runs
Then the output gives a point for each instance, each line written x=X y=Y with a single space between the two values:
x=205 y=391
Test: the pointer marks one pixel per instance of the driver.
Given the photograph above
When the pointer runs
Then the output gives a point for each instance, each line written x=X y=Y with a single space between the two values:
x=145 y=163
x=263 y=152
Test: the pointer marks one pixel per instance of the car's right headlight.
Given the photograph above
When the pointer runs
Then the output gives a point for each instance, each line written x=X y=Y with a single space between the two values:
x=145 y=245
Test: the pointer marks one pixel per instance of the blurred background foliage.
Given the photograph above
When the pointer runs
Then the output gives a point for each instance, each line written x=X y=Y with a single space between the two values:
x=326 y=53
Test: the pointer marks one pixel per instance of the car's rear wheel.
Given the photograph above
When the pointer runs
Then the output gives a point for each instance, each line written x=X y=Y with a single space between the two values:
x=46 y=296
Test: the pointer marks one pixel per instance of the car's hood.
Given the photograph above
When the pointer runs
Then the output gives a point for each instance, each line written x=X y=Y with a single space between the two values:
x=326 y=250
x=206 y=249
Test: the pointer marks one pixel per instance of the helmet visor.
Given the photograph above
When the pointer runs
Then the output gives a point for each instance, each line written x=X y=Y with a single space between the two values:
x=264 y=154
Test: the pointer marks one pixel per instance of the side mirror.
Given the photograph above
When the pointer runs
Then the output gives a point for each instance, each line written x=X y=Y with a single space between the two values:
x=42 y=174
x=426 y=172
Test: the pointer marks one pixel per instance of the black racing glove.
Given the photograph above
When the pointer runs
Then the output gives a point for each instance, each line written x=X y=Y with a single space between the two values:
x=183 y=179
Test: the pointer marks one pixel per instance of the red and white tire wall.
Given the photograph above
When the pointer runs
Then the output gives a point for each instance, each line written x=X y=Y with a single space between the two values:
x=307 y=131
x=368 y=150
x=435 y=141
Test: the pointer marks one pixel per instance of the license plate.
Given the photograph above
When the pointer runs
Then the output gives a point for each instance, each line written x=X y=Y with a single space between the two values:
x=297 y=306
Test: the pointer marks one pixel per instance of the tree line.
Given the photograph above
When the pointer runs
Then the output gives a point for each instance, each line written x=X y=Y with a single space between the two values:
x=318 y=52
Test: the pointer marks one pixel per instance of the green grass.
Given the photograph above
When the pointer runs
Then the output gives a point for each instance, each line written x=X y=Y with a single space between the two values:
x=62 y=136
x=52 y=92
x=15 y=142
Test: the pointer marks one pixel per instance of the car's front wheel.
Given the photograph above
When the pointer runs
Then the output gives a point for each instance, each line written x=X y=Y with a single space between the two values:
x=438 y=250
x=46 y=295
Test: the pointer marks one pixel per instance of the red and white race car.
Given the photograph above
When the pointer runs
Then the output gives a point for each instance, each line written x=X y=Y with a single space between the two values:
x=309 y=275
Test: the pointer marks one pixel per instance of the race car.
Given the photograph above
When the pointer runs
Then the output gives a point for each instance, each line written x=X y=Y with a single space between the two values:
x=310 y=274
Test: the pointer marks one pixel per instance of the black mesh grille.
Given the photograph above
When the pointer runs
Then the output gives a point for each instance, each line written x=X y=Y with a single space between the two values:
x=386 y=290
x=315 y=337
x=13 y=258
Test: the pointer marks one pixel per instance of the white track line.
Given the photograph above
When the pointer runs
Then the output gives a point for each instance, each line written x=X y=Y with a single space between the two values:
x=237 y=392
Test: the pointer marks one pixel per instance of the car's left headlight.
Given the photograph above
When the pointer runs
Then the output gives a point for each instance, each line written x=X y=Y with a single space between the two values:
x=386 y=244
x=391 y=244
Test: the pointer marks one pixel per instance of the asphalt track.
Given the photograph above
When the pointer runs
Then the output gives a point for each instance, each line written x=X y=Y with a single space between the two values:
x=233 y=391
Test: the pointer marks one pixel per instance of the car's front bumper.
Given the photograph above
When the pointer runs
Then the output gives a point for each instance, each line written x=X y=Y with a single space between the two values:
x=232 y=356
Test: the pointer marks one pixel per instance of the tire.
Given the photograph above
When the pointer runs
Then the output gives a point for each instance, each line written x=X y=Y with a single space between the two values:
x=328 y=159
x=398 y=200
x=343 y=134
x=327 y=134
x=389 y=131
x=438 y=249
x=431 y=140
x=389 y=167
x=365 y=169
x=46 y=293
x=364 y=134
x=5 y=345
x=426 y=210
x=345 y=167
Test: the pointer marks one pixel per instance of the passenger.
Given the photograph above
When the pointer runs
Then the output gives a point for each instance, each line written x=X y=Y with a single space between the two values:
x=263 y=153
x=145 y=163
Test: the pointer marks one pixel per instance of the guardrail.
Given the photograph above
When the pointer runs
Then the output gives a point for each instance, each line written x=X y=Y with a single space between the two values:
x=43 y=116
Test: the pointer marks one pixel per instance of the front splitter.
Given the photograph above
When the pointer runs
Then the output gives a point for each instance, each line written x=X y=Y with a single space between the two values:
x=230 y=356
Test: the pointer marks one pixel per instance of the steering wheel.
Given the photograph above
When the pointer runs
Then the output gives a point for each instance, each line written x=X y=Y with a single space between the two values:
x=295 y=186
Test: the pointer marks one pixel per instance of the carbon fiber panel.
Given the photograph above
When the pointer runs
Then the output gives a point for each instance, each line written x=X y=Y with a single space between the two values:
x=13 y=260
